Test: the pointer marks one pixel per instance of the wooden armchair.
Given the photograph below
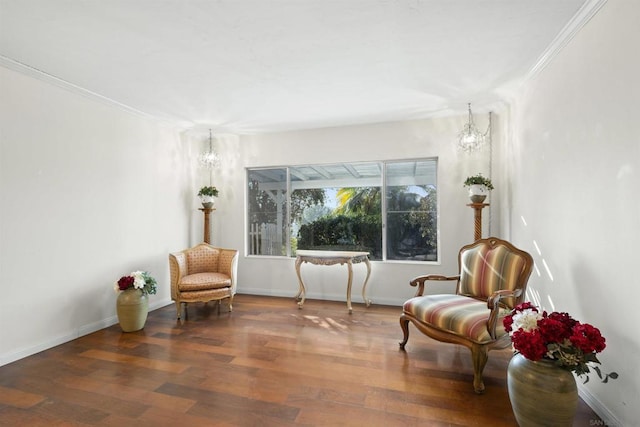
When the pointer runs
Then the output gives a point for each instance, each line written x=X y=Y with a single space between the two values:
x=203 y=273
x=492 y=279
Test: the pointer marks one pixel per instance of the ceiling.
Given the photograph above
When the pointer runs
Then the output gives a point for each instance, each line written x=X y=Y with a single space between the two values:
x=252 y=66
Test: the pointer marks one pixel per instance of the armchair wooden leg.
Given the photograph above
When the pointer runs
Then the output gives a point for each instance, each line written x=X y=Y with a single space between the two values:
x=404 y=324
x=178 y=309
x=230 y=303
x=479 y=355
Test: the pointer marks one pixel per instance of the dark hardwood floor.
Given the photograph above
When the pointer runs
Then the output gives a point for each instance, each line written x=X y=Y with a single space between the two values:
x=265 y=364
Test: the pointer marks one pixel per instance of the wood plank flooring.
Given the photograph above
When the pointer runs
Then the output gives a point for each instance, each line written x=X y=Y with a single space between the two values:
x=266 y=364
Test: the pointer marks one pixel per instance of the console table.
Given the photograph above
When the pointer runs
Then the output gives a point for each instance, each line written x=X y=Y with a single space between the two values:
x=331 y=258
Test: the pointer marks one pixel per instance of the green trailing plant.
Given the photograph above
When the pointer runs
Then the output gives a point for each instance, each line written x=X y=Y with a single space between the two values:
x=208 y=191
x=478 y=180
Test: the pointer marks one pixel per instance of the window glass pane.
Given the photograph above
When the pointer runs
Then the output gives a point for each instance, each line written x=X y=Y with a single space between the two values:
x=411 y=210
x=267 y=213
x=345 y=211
x=340 y=207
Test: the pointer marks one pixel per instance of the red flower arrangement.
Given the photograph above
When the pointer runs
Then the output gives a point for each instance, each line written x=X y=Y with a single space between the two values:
x=556 y=336
x=125 y=282
x=137 y=280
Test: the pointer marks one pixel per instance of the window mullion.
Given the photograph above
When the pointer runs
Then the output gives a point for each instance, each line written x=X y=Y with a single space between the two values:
x=383 y=204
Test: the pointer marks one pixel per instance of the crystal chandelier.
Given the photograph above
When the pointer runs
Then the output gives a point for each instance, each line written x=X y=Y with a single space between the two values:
x=470 y=139
x=209 y=159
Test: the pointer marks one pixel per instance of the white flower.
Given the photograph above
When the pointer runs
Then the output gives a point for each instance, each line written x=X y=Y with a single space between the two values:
x=526 y=320
x=116 y=287
x=138 y=280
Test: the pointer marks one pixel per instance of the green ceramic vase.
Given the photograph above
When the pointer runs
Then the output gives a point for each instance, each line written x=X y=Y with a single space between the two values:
x=541 y=393
x=132 y=307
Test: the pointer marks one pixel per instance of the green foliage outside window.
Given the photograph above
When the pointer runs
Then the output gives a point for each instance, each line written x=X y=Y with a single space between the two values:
x=411 y=224
x=356 y=232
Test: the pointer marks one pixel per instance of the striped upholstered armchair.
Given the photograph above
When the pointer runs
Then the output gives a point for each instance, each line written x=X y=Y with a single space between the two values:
x=203 y=273
x=492 y=279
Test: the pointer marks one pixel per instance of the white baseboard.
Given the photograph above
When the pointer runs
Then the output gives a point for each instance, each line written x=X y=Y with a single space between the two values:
x=608 y=418
x=355 y=299
x=77 y=333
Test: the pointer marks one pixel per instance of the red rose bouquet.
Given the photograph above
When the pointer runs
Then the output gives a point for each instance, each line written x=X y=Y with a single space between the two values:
x=137 y=280
x=556 y=336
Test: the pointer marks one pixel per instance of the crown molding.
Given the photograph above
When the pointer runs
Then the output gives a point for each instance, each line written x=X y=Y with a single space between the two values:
x=56 y=81
x=579 y=20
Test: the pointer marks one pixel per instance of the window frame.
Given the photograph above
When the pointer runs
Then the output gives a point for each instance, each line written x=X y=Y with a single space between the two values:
x=384 y=205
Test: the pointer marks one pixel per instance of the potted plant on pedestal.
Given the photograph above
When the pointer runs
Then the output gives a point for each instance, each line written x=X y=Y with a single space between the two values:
x=479 y=187
x=206 y=194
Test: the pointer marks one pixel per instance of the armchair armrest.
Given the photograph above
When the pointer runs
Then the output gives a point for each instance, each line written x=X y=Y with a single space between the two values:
x=228 y=264
x=226 y=261
x=419 y=281
x=177 y=269
x=493 y=304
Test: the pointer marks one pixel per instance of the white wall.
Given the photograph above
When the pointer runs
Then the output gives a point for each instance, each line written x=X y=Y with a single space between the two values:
x=389 y=281
x=573 y=159
x=91 y=192
x=88 y=193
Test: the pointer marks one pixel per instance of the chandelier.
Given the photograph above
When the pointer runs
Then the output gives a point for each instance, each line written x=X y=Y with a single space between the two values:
x=470 y=138
x=209 y=159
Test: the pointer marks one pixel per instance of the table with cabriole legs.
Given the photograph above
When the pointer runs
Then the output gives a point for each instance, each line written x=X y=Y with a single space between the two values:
x=332 y=258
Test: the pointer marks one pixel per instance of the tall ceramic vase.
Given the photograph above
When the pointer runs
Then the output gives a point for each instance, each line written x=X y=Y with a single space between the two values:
x=541 y=393
x=132 y=307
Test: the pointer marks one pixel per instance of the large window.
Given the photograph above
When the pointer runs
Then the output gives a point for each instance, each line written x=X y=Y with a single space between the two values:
x=386 y=208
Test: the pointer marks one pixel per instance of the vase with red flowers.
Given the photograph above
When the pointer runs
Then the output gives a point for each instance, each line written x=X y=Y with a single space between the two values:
x=549 y=348
x=132 y=304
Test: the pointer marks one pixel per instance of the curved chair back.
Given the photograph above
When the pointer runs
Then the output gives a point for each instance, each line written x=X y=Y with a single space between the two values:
x=489 y=265
x=202 y=258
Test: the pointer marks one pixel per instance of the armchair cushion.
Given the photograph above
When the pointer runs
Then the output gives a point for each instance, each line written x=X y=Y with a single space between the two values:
x=200 y=281
x=459 y=315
